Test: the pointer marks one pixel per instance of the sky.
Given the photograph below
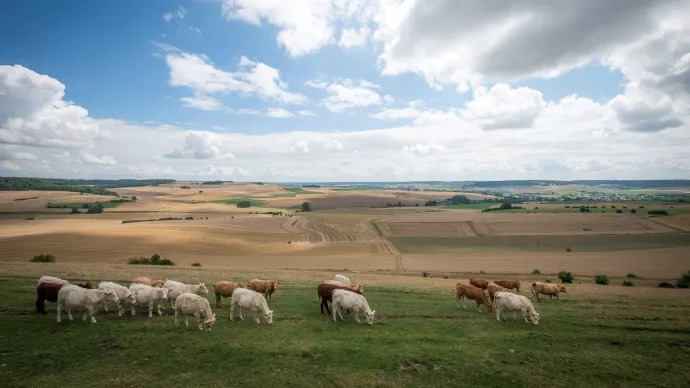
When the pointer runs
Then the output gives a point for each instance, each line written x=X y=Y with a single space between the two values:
x=345 y=90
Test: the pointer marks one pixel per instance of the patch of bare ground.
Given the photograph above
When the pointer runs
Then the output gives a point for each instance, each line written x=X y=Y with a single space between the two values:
x=679 y=221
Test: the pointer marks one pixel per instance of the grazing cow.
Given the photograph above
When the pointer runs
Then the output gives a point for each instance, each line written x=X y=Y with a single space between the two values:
x=509 y=284
x=150 y=282
x=192 y=304
x=244 y=298
x=266 y=287
x=50 y=279
x=352 y=286
x=147 y=295
x=325 y=292
x=471 y=292
x=71 y=296
x=123 y=293
x=481 y=283
x=178 y=288
x=49 y=291
x=493 y=288
x=345 y=299
x=224 y=289
x=547 y=289
x=342 y=279
x=508 y=301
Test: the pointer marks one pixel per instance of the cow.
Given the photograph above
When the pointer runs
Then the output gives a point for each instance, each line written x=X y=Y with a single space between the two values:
x=325 y=292
x=346 y=299
x=71 y=296
x=178 y=288
x=123 y=293
x=192 y=304
x=509 y=284
x=471 y=292
x=352 y=286
x=481 y=283
x=512 y=302
x=547 y=289
x=493 y=288
x=147 y=295
x=341 y=278
x=224 y=289
x=50 y=279
x=49 y=291
x=244 y=298
x=266 y=287
x=150 y=282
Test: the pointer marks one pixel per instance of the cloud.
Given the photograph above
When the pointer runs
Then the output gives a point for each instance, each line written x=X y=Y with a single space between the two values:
x=252 y=78
x=6 y=165
x=242 y=111
x=300 y=146
x=644 y=110
x=351 y=37
x=202 y=103
x=350 y=94
x=199 y=145
x=306 y=113
x=179 y=13
x=424 y=149
x=417 y=112
x=279 y=113
x=90 y=158
x=318 y=84
x=10 y=153
x=503 y=107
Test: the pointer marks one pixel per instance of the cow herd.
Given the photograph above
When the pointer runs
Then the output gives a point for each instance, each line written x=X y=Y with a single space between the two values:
x=186 y=300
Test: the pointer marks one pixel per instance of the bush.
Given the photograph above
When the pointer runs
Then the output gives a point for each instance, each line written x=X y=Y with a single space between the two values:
x=567 y=207
x=684 y=281
x=154 y=260
x=627 y=283
x=568 y=250
x=244 y=204
x=425 y=274
x=641 y=207
x=96 y=209
x=633 y=211
x=566 y=277
x=45 y=258
x=185 y=187
x=536 y=271
x=665 y=285
x=506 y=205
x=29 y=219
x=619 y=211
x=75 y=211
x=85 y=206
x=657 y=212
x=601 y=279
x=196 y=264
x=632 y=276
x=306 y=207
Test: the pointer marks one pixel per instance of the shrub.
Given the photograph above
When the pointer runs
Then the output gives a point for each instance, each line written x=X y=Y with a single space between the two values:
x=632 y=276
x=547 y=281
x=684 y=280
x=633 y=211
x=445 y=276
x=665 y=285
x=29 y=219
x=657 y=212
x=75 y=211
x=567 y=207
x=566 y=277
x=613 y=206
x=601 y=279
x=85 y=206
x=506 y=205
x=306 y=207
x=244 y=204
x=154 y=260
x=196 y=264
x=641 y=207
x=425 y=274
x=45 y=258
x=619 y=211
x=185 y=187
x=96 y=209
x=627 y=283
x=482 y=271
x=189 y=218
x=536 y=271
x=568 y=250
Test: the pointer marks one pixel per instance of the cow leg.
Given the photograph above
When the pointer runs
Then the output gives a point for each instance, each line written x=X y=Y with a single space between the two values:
x=120 y=309
x=239 y=309
x=69 y=313
x=524 y=315
x=151 y=309
x=550 y=298
x=91 y=311
x=198 y=317
x=86 y=313
x=515 y=315
x=355 y=315
x=40 y=305
x=498 y=314
x=132 y=309
x=176 y=318
x=59 y=312
x=159 y=308
x=559 y=298
x=256 y=316
x=232 y=310
x=334 y=307
x=218 y=303
x=476 y=306
x=186 y=320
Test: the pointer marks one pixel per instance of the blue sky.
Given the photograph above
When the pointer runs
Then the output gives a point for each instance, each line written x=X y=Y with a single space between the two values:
x=419 y=85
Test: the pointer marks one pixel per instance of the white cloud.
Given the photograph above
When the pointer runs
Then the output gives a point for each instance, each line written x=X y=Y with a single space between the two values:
x=199 y=145
x=198 y=73
x=503 y=107
x=279 y=113
x=242 y=111
x=417 y=112
x=318 y=84
x=11 y=153
x=351 y=37
x=306 y=113
x=6 y=165
x=300 y=146
x=350 y=94
x=179 y=13
x=202 y=103
x=420 y=149
x=90 y=158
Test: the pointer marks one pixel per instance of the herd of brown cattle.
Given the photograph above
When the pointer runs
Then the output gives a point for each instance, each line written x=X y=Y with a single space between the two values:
x=475 y=291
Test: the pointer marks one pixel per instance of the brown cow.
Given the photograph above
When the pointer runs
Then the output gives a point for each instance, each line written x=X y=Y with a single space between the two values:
x=547 y=289
x=325 y=292
x=471 y=292
x=266 y=287
x=493 y=288
x=225 y=289
x=509 y=284
x=150 y=282
x=356 y=287
x=481 y=283
x=49 y=291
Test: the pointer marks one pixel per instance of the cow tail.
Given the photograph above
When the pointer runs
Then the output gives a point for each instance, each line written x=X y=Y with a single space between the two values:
x=532 y=287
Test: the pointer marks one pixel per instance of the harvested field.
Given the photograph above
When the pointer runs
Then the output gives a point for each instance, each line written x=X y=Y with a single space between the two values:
x=36 y=200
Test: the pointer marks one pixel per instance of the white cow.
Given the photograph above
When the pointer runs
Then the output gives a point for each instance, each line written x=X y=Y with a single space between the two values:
x=191 y=304
x=71 y=296
x=244 y=298
x=50 y=279
x=341 y=278
x=123 y=293
x=178 y=288
x=147 y=295
x=513 y=302
x=344 y=299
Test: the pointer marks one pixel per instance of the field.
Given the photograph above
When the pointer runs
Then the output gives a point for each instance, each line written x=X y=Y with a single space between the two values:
x=599 y=336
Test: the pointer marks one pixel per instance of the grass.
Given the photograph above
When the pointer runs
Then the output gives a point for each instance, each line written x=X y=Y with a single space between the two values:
x=419 y=339
x=299 y=190
x=583 y=243
x=477 y=206
x=234 y=201
x=107 y=205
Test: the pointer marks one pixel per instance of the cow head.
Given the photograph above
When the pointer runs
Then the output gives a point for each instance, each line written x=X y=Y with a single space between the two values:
x=162 y=293
x=561 y=288
x=534 y=316
x=111 y=295
x=130 y=297
x=370 y=316
x=208 y=324
x=202 y=289
x=275 y=284
x=268 y=316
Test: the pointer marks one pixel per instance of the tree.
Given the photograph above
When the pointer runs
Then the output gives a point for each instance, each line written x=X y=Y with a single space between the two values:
x=506 y=205
x=458 y=199
x=75 y=210
x=306 y=207
x=134 y=198
x=244 y=204
x=85 y=206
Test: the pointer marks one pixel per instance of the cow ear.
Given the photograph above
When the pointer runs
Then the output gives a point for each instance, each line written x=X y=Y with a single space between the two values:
x=373 y=312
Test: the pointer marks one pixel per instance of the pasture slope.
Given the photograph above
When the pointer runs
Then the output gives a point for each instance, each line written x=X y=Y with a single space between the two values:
x=598 y=336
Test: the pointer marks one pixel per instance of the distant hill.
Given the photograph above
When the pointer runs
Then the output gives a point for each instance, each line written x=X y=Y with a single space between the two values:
x=92 y=186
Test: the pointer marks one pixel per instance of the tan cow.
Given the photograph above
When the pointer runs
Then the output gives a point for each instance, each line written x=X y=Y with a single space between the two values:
x=509 y=284
x=471 y=292
x=356 y=287
x=481 y=283
x=150 y=282
x=224 y=289
x=547 y=289
x=265 y=287
x=493 y=288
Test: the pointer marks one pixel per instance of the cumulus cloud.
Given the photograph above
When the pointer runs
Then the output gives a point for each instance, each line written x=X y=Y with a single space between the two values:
x=179 y=13
x=351 y=37
x=416 y=111
x=6 y=165
x=90 y=158
x=306 y=113
x=503 y=107
x=420 y=149
x=645 y=110
x=199 y=145
x=279 y=113
x=202 y=103
x=351 y=94
x=12 y=153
